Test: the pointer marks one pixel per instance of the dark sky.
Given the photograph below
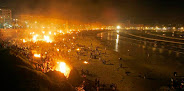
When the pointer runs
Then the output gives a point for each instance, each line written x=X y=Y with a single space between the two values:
x=114 y=11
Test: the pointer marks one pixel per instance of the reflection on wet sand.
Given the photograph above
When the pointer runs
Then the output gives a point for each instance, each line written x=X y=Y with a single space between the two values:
x=153 y=49
x=120 y=44
x=117 y=43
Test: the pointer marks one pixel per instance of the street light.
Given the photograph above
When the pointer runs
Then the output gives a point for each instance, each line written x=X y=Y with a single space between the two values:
x=118 y=27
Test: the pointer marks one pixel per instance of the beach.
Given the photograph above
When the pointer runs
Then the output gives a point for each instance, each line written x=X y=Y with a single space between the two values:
x=135 y=74
x=110 y=56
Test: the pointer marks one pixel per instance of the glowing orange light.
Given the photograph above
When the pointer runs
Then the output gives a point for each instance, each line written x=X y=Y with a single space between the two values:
x=77 y=49
x=118 y=27
x=50 y=32
x=24 y=41
x=43 y=32
x=47 y=39
x=35 y=37
x=63 y=68
x=85 y=62
x=37 y=55
x=60 y=31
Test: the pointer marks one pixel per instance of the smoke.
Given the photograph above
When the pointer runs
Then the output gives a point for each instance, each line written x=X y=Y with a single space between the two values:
x=83 y=10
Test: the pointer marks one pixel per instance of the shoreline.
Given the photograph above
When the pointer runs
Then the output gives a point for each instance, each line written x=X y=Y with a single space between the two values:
x=135 y=74
x=126 y=78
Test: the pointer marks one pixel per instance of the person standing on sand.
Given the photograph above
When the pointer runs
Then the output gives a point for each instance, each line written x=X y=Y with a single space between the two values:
x=91 y=55
x=120 y=59
x=120 y=65
x=99 y=59
x=104 y=62
x=172 y=80
x=175 y=74
x=95 y=82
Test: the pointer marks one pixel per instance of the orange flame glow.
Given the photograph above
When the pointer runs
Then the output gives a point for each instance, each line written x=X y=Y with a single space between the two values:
x=63 y=68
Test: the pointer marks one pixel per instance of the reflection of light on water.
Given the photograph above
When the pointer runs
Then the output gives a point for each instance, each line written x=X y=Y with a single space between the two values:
x=108 y=37
x=117 y=42
x=170 y=51
x=177 y=54
x=117 y=31
x=155 y=45
x=143 y=46
x=111 y=36
x=145 y=43
x=101 y=35
x=153 y=48
x=161 y=50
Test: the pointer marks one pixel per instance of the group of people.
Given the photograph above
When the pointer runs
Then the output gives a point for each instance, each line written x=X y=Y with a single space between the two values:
x=177 y=82
x=96 y=84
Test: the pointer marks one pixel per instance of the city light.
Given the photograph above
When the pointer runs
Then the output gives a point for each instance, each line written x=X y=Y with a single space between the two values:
x=118 y=27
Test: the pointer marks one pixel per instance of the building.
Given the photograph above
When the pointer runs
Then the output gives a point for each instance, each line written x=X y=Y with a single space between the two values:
x=5 y=18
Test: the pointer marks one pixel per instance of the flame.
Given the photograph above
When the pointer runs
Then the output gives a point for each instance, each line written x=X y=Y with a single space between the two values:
x=63 y=68
x=41 y=38
x=85 y=62
x=47 y=39
x=50 y=32
x=77 y=49
x=24 y=41
x=37 y=55
x=35 y=37
x=43 y=32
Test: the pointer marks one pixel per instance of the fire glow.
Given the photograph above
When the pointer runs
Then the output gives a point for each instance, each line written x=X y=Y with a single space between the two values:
x=63 y=68
x=47 y=39
x=37 y=55
x=85 y=62
x=41 y=38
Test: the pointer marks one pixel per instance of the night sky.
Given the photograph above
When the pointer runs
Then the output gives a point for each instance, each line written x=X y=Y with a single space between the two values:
x=139 y=11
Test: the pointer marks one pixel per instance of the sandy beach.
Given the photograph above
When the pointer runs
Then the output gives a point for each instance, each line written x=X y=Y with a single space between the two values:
x=98 y=53
x=134 y=75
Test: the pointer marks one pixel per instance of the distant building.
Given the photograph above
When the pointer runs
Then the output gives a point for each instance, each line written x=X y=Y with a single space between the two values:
x=5 y=18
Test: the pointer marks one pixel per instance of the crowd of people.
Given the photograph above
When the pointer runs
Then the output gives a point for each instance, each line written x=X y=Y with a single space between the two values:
x=59 y=49
x=177 y=82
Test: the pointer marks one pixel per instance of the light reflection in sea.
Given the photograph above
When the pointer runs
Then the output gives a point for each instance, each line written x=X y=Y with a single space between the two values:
x=101 y=35
x=160 y=50
x=117 y=42
x=156 y=48
x=108 y=37
x=153 y=48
